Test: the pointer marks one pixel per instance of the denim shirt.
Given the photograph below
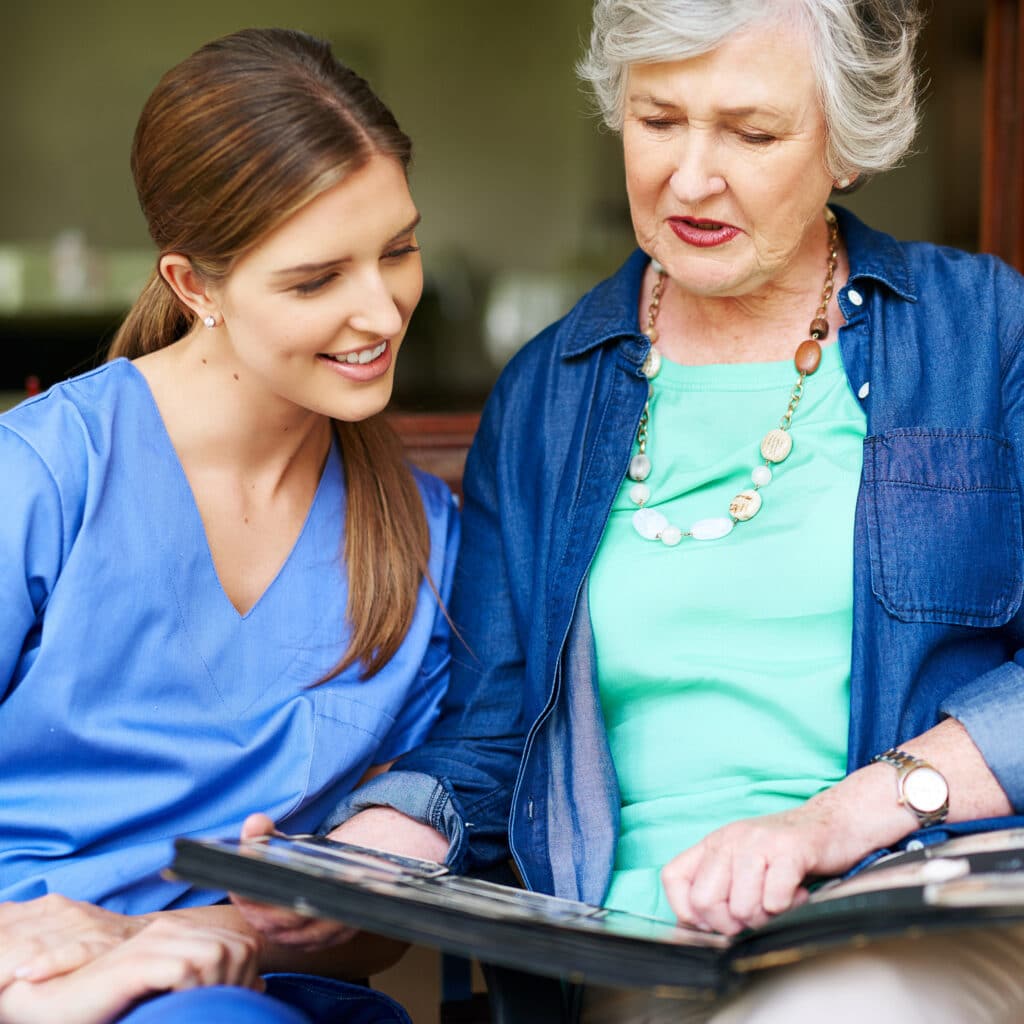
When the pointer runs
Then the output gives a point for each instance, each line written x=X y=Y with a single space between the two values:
x=932 y=348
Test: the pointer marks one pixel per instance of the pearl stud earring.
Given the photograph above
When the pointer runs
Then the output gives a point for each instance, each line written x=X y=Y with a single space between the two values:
x=210 y=321
x=843 y=183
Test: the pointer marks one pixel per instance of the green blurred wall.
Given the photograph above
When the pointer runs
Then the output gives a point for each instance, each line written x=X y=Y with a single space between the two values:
x=511 y=171
x=486 y=90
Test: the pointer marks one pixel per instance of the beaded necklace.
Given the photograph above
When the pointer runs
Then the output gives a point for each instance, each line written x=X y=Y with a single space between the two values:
x=776 y=445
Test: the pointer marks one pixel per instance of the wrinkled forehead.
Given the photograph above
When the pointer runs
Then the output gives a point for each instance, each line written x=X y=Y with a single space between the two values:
x=765 y=66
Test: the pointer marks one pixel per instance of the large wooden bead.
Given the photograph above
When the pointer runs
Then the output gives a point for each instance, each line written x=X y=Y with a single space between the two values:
x=777 y=444
x=808 y=356
x=745 y=505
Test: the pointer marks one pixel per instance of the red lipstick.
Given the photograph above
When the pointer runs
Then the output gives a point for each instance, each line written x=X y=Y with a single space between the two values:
x=702 y=233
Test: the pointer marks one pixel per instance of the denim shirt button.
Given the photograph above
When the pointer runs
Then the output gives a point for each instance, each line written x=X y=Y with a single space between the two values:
x=855 y=297
x=915 y=844
x=865 y=389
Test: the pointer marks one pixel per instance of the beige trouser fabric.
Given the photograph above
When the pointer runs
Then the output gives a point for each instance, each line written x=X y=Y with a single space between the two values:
x=974 y=976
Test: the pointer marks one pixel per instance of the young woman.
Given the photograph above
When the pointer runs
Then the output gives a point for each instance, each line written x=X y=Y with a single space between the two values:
x=220 y=583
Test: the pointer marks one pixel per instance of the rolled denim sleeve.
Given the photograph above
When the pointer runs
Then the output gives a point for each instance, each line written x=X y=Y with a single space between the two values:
x=991 y=709
x=416 y=795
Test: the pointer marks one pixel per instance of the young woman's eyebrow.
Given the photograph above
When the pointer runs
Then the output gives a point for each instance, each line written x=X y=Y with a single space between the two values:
x=312 y=268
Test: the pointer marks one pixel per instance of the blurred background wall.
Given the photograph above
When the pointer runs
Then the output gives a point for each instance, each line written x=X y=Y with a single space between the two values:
x=519 y=185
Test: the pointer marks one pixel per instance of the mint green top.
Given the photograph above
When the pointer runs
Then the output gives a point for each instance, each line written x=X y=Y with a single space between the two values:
x=724 y=665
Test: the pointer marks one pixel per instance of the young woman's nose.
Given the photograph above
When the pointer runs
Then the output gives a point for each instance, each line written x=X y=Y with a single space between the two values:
x=378 y=312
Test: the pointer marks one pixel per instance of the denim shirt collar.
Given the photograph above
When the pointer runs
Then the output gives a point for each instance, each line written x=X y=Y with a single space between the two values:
x=607 y=313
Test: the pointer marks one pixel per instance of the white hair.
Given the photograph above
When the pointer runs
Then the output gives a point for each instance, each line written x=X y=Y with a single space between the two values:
x=862 y=53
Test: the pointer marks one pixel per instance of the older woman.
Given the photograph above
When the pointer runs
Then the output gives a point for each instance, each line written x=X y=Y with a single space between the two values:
x=742 y=564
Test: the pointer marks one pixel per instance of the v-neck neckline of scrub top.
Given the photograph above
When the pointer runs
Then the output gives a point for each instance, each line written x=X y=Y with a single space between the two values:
x=182 y=482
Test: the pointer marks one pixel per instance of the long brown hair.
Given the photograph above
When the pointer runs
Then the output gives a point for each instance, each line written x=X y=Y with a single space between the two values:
x=233 y=141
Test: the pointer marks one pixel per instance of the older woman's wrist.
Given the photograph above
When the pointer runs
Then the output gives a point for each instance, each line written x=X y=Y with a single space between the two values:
x=862 y=814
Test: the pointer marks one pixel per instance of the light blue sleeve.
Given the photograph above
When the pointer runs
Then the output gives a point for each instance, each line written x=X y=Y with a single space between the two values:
x=31 y=551
x=423 y=706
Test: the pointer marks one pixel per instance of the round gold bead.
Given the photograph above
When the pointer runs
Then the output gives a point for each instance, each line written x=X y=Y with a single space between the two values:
x=652 y=364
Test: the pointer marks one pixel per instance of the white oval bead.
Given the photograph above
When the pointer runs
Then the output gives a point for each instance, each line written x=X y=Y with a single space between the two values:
x=649 y=523
x=762 y=476
x=711 y=529
x=671 y=536
x=639 y=493
x=639 y=467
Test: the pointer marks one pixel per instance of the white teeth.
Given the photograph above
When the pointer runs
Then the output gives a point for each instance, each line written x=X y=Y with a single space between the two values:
x=366 y=356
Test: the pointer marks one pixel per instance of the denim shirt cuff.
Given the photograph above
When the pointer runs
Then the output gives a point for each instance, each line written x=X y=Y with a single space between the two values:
x=415 y=794
x=991 y=709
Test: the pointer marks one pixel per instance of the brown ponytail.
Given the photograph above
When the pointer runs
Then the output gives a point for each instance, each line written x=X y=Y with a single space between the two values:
x=386 y=542
x=231 y=143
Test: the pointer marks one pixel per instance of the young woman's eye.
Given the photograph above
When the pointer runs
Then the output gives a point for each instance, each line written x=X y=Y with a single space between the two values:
x=405 y=250
x=309 y=287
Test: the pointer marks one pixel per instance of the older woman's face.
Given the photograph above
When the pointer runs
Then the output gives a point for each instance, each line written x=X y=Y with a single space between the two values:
x=725 y=163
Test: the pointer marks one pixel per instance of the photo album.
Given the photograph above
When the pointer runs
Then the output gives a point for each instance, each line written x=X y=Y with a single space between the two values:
x=969 y=880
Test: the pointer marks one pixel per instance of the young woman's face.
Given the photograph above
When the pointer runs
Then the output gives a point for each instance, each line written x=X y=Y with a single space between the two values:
x=725 y=162
x=317 y=311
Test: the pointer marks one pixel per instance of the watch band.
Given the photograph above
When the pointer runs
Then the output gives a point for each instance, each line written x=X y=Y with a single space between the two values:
x=905 y=764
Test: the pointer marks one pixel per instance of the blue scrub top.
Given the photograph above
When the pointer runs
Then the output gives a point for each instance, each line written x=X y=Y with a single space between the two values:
x=136 y=703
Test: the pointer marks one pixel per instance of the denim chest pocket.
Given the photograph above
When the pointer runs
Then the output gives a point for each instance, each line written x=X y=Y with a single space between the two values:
x=944 y=526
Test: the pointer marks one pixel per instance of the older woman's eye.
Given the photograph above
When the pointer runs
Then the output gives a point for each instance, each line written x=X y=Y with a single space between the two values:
x=756 y=138
x=657 y=123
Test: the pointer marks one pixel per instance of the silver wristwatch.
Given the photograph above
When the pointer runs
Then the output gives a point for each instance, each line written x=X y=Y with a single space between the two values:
x=920 y=787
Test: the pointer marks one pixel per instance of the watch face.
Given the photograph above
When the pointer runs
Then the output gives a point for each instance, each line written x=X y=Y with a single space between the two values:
x=925 y=789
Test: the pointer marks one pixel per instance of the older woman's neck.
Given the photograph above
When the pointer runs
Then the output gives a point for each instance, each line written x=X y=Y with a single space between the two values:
x=765 y=324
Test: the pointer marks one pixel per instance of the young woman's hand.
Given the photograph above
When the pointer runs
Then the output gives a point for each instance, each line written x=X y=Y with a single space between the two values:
x=165 y=955
x=379 y=827
x=277 y=924
x=52 y=935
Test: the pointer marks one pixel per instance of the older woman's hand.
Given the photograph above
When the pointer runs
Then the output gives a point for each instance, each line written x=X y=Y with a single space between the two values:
x=53 y=935
x=740 y=875
x=165 y=955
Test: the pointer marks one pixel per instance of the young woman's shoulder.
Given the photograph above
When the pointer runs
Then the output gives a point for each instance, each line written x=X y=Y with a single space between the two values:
x=62 y=442
x=63 y=424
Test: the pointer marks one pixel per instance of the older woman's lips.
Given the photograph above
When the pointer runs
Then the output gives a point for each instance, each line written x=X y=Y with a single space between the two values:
x=702 y=233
